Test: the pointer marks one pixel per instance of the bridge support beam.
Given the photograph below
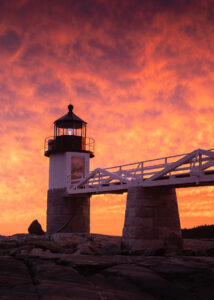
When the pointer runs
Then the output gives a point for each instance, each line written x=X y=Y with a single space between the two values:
x=67 y=214
x=151 y=219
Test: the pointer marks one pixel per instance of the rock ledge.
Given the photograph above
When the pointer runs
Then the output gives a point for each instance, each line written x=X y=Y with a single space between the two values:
x=91 y=266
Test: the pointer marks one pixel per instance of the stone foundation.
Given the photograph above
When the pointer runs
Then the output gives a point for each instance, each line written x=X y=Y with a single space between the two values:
x=151 y=219
x=66 y=213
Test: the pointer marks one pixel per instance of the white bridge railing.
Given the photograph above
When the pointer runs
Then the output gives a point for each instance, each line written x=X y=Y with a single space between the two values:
x=189 y=169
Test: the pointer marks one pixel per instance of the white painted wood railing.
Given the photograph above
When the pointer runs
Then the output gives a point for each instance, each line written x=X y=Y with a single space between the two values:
x=177 y=169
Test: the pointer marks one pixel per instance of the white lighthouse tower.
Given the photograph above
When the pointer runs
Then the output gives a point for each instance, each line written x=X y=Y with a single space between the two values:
x=69 y=151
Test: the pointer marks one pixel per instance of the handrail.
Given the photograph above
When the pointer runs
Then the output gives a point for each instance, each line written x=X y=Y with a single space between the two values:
x=150 y=160
x=187 y=165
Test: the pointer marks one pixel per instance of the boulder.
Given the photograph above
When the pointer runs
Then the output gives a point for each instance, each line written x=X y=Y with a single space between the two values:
x=35 y=228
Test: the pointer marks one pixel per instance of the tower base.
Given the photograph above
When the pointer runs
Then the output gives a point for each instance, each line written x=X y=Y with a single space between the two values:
x=66 y=213
x=151 y=219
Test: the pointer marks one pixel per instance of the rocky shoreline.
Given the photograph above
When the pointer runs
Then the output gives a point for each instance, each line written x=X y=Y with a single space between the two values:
x=92 y=266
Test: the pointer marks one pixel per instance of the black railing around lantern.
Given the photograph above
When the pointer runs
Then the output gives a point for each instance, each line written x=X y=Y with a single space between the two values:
x=72 y=143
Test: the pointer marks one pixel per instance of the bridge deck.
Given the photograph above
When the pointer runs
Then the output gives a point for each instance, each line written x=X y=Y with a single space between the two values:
x=185 y=170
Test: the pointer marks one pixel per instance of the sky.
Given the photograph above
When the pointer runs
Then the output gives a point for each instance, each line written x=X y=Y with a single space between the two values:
x=140 y=73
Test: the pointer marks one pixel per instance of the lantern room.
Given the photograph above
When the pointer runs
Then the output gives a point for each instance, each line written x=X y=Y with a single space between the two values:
x=70 y=135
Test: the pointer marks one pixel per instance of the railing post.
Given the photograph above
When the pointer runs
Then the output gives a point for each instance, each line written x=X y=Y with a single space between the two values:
x=120 y=168
x=99 y=177
x=200 y=162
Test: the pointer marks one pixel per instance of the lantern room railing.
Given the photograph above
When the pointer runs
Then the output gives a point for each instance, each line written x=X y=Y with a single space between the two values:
x=50 y=145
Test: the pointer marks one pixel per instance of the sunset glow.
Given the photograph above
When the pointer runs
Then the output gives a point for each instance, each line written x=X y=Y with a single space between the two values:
x=140 y=73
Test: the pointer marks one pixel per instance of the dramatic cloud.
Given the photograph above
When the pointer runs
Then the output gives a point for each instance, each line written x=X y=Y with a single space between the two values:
x=141 y=73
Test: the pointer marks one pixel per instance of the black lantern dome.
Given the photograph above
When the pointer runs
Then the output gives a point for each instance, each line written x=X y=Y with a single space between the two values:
x=69 y=135
x=70 y=120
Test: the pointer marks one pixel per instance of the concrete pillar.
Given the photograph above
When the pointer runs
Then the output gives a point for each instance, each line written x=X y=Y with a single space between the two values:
x=151 y=219
x=73 y=212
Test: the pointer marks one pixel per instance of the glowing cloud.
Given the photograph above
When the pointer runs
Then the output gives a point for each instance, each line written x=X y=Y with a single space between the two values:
x=139 y=72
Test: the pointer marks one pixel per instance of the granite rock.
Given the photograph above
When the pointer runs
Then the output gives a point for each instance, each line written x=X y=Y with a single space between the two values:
x=92 y=266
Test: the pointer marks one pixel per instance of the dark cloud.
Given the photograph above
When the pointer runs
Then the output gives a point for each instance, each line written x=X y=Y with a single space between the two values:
x=119 y=53
x=18 y=115
x=33 y=53
x=191 y=31
x=178 y=97
x=123 y=14
x=86 y=90
x=210 y=11
x=166 y=51
x=109 y=60
x=87 y=9
x=207 y=110
x=7 y=95
x=125 y=83
x=55 y=111
x=53 y=88
x=176 y=6
x=77 y=47
x=150 y=114
x=10 y=42
x=129 y=98
x=189 y=68
x=5 y=90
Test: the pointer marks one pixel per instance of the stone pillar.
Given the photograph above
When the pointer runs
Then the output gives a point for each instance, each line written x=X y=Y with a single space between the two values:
x=66 y=213
x=151 y=219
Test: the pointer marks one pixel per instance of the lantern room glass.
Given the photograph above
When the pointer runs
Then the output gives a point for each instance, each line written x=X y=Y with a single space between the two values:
x=74 y=131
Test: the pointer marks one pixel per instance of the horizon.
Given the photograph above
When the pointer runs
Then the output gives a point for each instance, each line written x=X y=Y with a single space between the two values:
x=140 y=74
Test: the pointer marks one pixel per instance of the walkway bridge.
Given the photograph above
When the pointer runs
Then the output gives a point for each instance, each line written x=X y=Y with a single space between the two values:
x=185 y=170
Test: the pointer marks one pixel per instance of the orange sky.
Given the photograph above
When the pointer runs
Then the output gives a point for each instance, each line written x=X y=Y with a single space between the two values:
x=141 y=73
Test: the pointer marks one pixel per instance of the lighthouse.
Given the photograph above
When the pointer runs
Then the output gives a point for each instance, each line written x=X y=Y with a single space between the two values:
x=69 y=152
